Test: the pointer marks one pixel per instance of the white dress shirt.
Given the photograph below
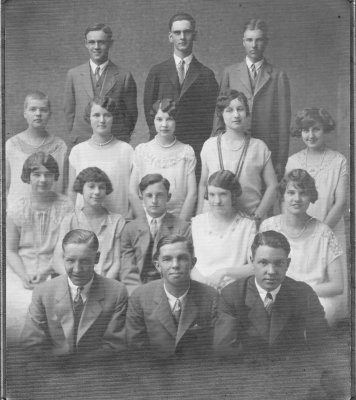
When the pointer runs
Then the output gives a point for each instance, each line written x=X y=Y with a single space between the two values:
x=172 y=299
x=102 y=66
x=158 y=219
x=262 y=292
x=187 y=61
x=84 y=293
x=258 y=65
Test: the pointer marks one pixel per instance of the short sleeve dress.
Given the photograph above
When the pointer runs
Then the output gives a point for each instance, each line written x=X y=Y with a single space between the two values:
x=174 y=163
x=310 y=257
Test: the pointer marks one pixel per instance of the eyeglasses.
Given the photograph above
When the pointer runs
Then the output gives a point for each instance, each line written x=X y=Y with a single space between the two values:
x=97 y=42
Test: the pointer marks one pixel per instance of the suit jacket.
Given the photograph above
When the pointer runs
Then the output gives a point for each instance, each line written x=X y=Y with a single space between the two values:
x=135 y=241
x=269 y=105
x=50 y=321
x=243 y=326
x=150 y=326
x=118 y=84
x=195 y=101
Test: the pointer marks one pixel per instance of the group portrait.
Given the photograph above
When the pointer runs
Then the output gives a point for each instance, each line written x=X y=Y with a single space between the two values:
x=176 y=201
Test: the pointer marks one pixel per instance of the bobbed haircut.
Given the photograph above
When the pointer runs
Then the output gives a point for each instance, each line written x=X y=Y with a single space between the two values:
x=35 y=161
x=301 y=180
x=225 y=98
x=36 y=95
x=99 y=27
x=151 y=179
x=181 y=16
x=81 y=236
x=226 y=180
x=272 y=239
x=91 y=174
x=254 y=25
x=103 y=101
x=165 y=105
x=171 y=239
x=308 y=117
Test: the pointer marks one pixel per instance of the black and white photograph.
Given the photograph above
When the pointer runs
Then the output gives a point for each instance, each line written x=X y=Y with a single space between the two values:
x=177 y=200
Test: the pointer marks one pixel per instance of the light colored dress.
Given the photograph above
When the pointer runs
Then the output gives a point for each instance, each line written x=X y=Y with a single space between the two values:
x=174 y=163
x=109 y=235
x=115 y=159
x=310 y=257
x=251 y=179
x=217 y=251
x=327 y=176
x=38 y=236
x=17 y=151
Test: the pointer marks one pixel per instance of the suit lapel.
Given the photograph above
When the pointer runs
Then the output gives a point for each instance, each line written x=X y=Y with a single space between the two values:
x=280 y=314
x=188 y=316
x=164 y=230
x=109 y=78
x=173 y=74
x=192 y=75
x=263 y=77
x=243 y=75
x=86 y=79
x=163 y=311
x=143 y=238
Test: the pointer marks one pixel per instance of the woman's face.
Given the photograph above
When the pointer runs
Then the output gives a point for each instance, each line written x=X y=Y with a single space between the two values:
x=165 y=124
x=314 y=137
x=220 y=200
x=101 y=120
x=296 y=200
x=94 y=193
x=41 y=180
x=234 y=115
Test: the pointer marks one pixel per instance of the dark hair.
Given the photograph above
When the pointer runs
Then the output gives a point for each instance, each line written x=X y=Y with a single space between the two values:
x=151 y=179
x=81 y=236
x=181 y=16
x=302 y=180
x=36 y=160
x=226 y=98
x=91 y=174
x=165 y=105
x=308 y=117
x=36 y=95
x=103 y=101
x=254 y=25
x=171 y=239
x=225 y=179
x=271 y=239
x=99 y=27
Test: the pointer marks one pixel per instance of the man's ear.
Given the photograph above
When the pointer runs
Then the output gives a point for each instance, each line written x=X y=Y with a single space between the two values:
x=169 y=195
x=194 y=261
x=170 y=37
x=195 y=36
x=156 y=264
x=97 y=257
x=288 y=262
x=140 y=195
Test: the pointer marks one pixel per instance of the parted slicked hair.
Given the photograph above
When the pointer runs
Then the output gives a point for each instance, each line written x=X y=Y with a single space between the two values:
x=151 y=179
x=256 y=24
x=181 y=16
x=81 y=236
x=165 y=105
x=91 y=174
x=36 y=160
x=308 y=117
x=302 y=180
x=103 y=101
x=226 y=98
x=272 y=239
x=99 y=27
x=171 y=239
x=227 y=180
x=37 y=95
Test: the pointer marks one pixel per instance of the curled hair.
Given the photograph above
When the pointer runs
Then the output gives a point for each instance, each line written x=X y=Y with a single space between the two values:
x=35 y=161
x=81 y=236
x=226 y=180
x=103 y=101
x=308 y=117
x=226 y=98
x=165 y=105
x=151 y=179
x=181 y=16
x=256 y=24
x=99 y=27
x=91 y=174
x=301 y=180
x=171 y=239
x=37 y=95
x=272 y=239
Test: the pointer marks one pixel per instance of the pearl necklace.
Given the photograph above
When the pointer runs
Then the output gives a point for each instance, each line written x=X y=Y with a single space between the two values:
x=314 y=171
x=103 y=144
x=300 y=233
x=166 y=146
x=36 y=147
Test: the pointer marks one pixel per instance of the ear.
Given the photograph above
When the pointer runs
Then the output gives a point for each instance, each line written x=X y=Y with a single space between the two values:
x=169 y=195
x=158 y=268
x=111 y=43
x=251 y=258
x=170 y=37
x=97 y=257
x=194 y=261
x=140 y=195
x=288 y=262
x=195 y=36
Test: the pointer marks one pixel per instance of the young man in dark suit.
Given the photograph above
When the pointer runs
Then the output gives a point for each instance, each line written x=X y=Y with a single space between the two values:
x=99 y=77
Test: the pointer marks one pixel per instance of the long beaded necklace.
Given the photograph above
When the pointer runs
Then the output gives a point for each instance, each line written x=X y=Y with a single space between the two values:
x=314 y=171
x=103 y=144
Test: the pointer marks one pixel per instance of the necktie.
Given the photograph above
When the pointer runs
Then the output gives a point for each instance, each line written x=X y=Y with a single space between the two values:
x=253 y=71
x=177 y=309
x=268 y=303
x=153 y=227
x=181 y=72
x=97 y=73
x=78 y=306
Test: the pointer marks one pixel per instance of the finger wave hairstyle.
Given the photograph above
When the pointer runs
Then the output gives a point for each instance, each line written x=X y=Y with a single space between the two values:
x=308 y=117
x=35 y=161
x=103 y=101
x=301 y=180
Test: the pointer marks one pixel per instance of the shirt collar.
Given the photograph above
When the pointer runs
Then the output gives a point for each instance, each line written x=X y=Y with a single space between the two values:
x=159 y=219
x=102 y=66
x=258 y=64
x=84 y=293
x=187 y=60
x=262 y=292
x=172 y=299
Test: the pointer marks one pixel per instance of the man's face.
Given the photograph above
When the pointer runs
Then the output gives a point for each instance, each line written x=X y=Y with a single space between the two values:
x=270 y=266
x=79 y=260
x=98 y=46
x=155 y=198
x=182 y=36
x=174 y=264
x=254 y=43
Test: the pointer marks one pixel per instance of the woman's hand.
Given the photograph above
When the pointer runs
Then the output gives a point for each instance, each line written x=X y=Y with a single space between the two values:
x=27 y=282
x=39 y=276
x=217 y=279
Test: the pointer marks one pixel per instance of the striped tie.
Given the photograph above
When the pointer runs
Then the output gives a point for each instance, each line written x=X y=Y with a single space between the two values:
x=177 y=309
x=268 y=303
x=253 y=71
